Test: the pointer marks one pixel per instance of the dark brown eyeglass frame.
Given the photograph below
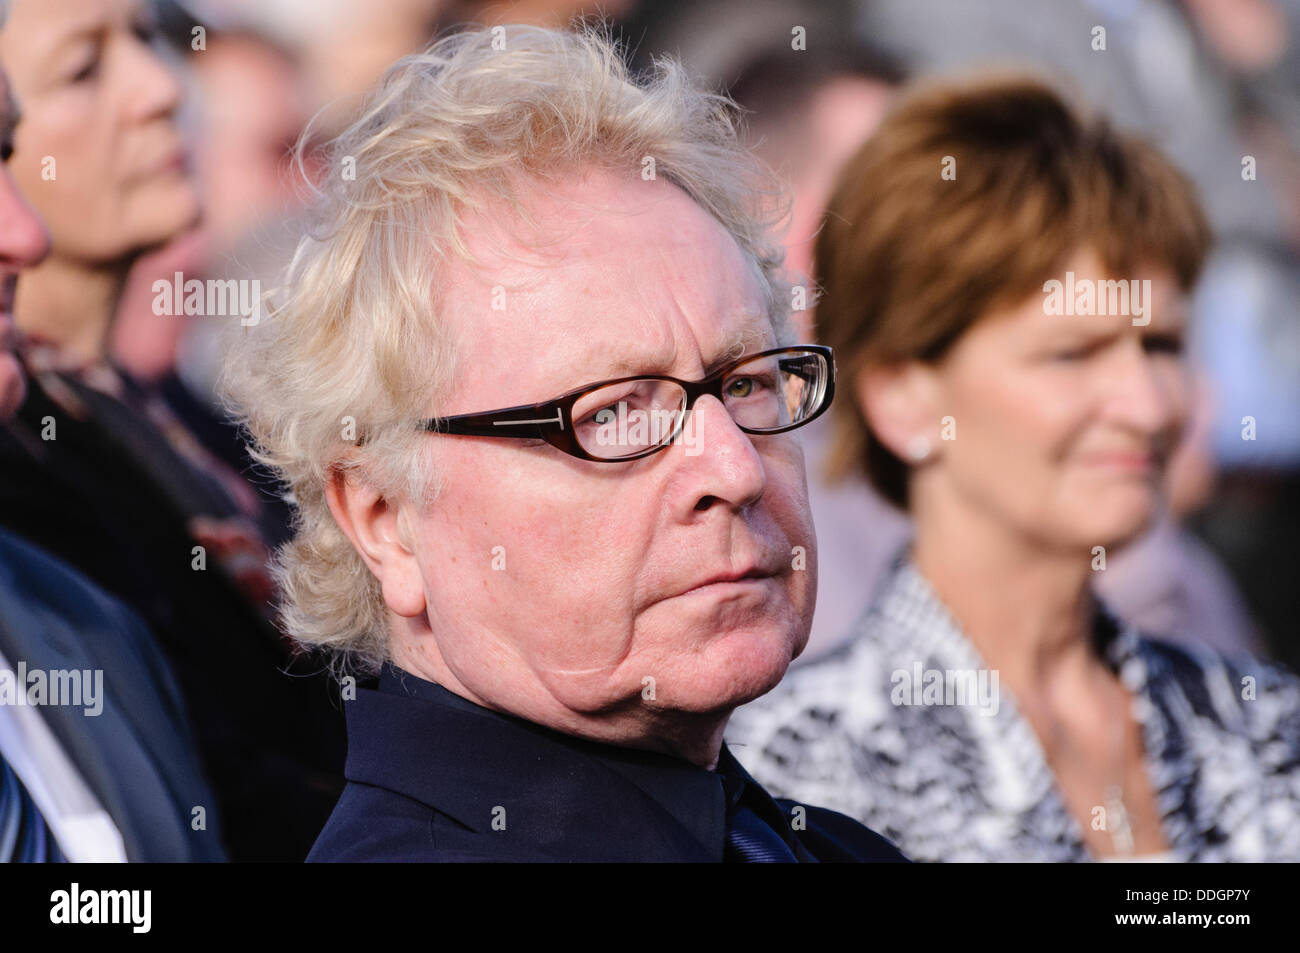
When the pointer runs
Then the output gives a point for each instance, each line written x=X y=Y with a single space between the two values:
x=552 y=420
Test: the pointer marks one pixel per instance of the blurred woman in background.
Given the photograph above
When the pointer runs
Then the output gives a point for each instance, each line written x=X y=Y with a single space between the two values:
x=1021 y=404
x=97 y=470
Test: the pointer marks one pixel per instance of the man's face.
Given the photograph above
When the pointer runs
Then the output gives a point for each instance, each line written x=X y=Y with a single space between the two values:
x=582 y=580
x=23 y=243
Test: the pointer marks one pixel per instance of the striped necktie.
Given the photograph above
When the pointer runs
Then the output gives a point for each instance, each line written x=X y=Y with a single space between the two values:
x=24 y=835
x=750 y=838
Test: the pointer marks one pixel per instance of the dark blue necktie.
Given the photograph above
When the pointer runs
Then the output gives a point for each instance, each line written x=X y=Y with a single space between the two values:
x=750 y=838
x=24 y=835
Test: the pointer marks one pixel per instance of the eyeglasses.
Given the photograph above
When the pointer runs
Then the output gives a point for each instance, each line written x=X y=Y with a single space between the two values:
x=632 y=417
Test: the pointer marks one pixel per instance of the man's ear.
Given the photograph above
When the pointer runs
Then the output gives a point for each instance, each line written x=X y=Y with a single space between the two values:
x=378 y=533
x=900 y=403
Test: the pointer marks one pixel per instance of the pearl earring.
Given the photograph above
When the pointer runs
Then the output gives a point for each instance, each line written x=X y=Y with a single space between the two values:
x=918 y=448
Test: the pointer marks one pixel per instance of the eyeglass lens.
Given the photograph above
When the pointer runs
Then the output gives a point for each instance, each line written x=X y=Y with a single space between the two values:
x=771 y=392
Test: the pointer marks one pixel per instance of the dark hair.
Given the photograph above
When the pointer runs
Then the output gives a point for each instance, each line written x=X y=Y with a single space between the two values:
x=778 y=81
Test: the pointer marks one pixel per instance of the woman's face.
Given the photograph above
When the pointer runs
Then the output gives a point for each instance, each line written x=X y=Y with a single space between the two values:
x=1063 y=423
x=98 y=152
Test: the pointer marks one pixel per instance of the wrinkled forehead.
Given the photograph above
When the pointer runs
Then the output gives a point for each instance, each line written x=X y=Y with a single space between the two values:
x=604 y=277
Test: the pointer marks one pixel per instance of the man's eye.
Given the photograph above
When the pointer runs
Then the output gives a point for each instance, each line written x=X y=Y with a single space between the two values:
x=742 y=387
x=601 y=415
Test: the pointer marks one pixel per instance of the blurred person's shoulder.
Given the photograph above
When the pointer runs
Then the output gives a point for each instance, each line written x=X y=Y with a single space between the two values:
x=1237 y=693
x=1226 y=733
x=44 y=586
x=54 y=619
x=48 y=605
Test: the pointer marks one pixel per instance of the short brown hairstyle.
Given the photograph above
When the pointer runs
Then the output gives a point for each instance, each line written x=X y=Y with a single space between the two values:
x=909 y=259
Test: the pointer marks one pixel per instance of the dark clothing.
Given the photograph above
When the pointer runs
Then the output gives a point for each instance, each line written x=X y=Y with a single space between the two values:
x=434 y=777
x=32 y=841
x=110 y=495
x=137 y=755
x=224 y=439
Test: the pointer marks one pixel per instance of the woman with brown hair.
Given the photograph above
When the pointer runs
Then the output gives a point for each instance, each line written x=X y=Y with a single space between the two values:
x=1005 y=286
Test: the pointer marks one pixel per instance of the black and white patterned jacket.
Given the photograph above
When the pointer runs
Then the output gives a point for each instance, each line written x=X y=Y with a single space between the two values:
x=957 y=782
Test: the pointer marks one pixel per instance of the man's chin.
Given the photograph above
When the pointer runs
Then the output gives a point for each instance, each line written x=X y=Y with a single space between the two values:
x=747 y=669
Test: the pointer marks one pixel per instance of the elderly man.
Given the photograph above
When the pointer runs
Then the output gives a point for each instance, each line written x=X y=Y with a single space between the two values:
x=532 y=387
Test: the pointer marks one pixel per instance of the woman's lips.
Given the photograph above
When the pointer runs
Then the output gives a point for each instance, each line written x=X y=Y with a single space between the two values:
x=1126 y=462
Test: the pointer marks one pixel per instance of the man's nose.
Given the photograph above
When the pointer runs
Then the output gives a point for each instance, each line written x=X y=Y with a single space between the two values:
x=726 y=464
x=24 y=240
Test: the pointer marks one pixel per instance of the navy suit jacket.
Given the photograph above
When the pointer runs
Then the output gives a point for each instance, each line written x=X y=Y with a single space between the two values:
x=434 y=777
x=112 y=498
x=137 y=755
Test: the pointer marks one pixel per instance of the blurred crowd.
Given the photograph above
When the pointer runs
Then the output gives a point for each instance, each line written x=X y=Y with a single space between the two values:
x=1214 y=85
x=193 y=125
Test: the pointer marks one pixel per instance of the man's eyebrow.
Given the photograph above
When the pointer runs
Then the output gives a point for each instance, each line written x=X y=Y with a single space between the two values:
x=737 y=346
x=743 y=342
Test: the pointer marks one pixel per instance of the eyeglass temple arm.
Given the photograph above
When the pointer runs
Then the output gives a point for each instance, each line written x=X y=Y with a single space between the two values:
x=529 y=421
